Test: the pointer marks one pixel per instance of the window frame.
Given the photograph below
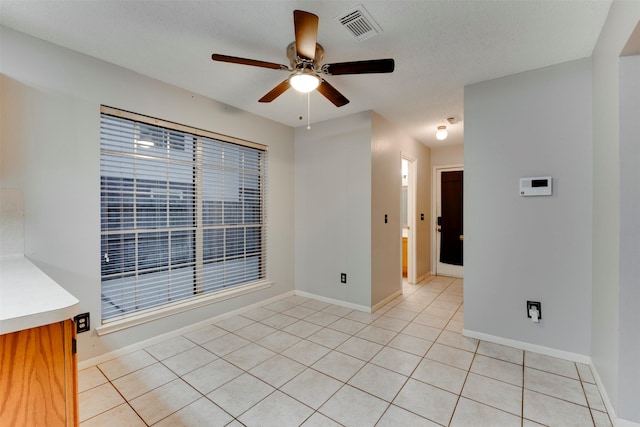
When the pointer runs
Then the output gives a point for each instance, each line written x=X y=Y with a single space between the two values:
x=200 y=295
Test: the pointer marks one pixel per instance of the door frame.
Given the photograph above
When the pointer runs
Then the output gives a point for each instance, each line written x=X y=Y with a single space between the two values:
x=411 y=217
x=435 y=202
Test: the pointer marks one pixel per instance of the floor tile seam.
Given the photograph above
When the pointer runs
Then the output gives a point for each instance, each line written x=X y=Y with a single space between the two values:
x=305 y=404
x=371 y=394
x=197 y=367
x=492 y=407
x=356 y=357
x=235 y=349
x=440 y=388
x=151 y=389
x=556 y=397
x=108 y=409
x=497 y=358
x=464 y=383
x=237 y=418
x=346 y=384
x=399 y=373
x=552 y=373
x=118 y=357
x=582 y=383
x=128 y=401
x=495 y=379
x=453 y=346
x=502 y=360
x=522 y=391
x=422 y=416
x=418 y=415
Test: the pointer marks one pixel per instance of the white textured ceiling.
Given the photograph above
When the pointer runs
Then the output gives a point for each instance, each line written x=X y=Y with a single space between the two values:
x=438 y=47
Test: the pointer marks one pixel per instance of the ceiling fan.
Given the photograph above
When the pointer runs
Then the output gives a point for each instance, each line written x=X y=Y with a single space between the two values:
x=305 y=56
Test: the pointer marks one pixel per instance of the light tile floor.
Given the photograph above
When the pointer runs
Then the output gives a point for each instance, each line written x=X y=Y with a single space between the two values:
x=300 y=361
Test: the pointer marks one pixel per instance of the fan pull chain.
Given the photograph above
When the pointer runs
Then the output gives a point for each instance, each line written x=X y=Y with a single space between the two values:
x=308 y=110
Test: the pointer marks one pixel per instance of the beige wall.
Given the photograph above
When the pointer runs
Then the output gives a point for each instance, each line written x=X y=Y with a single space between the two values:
x=388 y=145
x=447 y=155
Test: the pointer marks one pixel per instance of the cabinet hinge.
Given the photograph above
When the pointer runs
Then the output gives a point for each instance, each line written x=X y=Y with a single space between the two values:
x=74 y=347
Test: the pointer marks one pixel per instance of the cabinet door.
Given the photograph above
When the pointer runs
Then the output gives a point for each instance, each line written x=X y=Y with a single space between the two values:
x=38 y=376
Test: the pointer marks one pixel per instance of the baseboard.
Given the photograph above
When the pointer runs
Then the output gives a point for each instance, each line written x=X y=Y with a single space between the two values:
x=573 y=357
x=105 y=357
x=334 y=301
x=618 y=422
x=386 y=300
x=423 y=277
x=605 y=397
x=548 y=351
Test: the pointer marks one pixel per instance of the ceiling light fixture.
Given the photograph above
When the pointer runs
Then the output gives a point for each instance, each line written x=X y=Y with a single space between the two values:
x=441 y=133
x=304 y=81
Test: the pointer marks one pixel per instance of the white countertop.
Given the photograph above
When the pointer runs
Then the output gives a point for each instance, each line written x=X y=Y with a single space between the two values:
x=29 y=298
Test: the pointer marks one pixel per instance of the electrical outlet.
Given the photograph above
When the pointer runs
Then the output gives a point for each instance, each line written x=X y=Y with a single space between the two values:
x=343 y=277
x=534 y=304
x=82 y=322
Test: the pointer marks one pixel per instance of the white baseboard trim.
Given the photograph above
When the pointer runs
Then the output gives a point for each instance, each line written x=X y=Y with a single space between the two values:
x=618 y=422
x=158 y=339
x=386 y=300
x=334 y=301
x=423 y=277
x=573 y=357
x=605 y=397
x=548 y=351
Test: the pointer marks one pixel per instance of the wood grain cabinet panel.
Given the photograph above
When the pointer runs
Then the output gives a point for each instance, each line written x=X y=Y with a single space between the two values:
x=404 y=257
x=39 y=376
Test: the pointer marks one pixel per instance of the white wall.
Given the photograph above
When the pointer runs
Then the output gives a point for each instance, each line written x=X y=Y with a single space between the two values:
x=607 y=336
x=333 y=209
x=629 y=407
x=388 y=145
x=51 y=100
x=535 y=123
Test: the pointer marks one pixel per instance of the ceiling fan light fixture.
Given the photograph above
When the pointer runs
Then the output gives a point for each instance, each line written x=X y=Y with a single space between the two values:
x=441 y=133
x=304 y=81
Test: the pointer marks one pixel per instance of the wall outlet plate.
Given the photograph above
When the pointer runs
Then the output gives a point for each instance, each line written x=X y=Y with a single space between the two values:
x=343 y=277
x=82 y=322
x=537 y=305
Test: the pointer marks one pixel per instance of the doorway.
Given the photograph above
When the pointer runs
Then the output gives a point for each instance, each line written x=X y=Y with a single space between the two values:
x=448 y=216
x=408 y=215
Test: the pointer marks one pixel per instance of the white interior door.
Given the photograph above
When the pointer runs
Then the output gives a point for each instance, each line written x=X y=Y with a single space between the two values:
x=443 y=268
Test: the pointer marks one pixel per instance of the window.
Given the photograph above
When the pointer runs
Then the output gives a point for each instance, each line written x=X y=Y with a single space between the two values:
x=182 y=213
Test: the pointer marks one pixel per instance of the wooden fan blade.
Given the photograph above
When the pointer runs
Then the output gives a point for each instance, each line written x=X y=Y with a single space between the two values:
x=306 y=29
x=332 y=94
x=360 y=67
x=245 y=61
x=275 y=92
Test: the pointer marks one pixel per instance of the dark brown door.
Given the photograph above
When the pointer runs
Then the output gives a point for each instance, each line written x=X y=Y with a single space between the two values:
x=450 y=221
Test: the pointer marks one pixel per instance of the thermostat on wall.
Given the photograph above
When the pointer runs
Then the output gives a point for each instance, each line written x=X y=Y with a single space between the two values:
x=538 y=186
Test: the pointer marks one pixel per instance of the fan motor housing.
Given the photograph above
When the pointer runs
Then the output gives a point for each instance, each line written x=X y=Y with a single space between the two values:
x=296 y=62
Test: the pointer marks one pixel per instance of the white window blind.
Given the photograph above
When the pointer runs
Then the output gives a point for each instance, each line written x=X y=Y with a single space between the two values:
x=182 y=213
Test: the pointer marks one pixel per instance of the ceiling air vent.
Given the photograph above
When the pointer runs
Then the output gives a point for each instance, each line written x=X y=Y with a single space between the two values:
x=359 y=23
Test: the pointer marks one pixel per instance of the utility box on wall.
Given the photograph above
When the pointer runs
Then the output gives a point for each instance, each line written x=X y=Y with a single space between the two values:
x=537 y=186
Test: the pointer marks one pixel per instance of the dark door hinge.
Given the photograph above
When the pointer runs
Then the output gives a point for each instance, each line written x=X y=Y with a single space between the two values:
x=74 y=346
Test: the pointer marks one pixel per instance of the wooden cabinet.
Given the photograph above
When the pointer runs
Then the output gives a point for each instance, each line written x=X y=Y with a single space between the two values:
x=404 y=257
x=39 y=376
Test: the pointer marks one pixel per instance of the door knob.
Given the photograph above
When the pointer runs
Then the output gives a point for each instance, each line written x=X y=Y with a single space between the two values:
x=462 y=237
x=439 y=229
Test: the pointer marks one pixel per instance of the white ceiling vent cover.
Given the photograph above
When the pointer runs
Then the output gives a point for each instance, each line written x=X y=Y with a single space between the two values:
x=359 y=23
